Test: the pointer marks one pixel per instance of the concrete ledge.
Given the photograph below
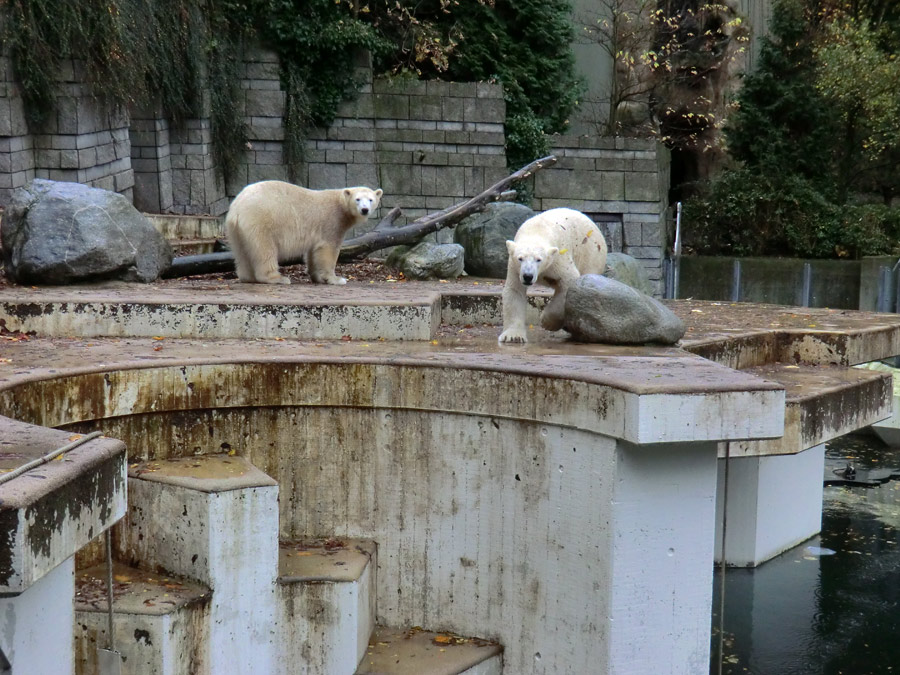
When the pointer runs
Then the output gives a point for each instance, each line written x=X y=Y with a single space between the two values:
x=414 y=651
x=52 y=511
x=256 y=311
x=326 y=591
x=821 y=403
x=205 y=473
x=666 y=397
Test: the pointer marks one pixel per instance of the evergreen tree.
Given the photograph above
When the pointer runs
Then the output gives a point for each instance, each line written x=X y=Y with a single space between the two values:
x=782 y=124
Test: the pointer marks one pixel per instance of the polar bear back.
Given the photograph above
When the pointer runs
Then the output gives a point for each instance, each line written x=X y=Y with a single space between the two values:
x=573 y=233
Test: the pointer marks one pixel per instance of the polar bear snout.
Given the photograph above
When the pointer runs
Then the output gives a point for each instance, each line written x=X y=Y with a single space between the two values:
x=529 y=268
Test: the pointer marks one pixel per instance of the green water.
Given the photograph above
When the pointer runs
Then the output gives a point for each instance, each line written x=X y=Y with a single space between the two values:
x=808 y=613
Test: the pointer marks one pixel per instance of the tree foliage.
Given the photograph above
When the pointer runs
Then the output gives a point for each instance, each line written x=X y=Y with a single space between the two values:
x=816 y=130
x=524 y=44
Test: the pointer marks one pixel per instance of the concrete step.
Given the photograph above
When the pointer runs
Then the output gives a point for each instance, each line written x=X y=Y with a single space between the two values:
x=213 y=518
x=175 y=227
x=413 y=651
x=225 y=309
x=159 y=622
x=327 y=604
x=193 y=246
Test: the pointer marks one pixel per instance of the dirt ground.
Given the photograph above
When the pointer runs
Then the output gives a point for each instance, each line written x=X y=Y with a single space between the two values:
x=367 y=270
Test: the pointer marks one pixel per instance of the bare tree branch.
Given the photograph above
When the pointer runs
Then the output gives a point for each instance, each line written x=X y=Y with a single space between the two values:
x=384 y=234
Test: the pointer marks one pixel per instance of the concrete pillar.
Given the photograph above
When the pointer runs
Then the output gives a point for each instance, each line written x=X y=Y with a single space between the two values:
x=213 y=519
x=774 y=502
x=663 y=511
x=36 y=625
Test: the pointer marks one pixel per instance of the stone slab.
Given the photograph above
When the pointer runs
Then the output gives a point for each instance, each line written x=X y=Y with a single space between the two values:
x=206 y=473
x=334 y=560
x=414 y=651
x=53 y=510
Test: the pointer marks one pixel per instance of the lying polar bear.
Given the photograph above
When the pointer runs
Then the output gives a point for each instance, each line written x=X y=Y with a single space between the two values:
x=553 y=248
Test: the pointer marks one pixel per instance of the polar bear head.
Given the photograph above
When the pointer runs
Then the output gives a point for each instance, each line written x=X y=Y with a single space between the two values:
x=361 y=201
x=532 y=257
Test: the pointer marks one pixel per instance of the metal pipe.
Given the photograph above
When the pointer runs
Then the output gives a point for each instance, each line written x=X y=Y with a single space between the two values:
x=736 y=281
x=676 y=273
x=883 y=303
x=15 y=473
x=807 y=284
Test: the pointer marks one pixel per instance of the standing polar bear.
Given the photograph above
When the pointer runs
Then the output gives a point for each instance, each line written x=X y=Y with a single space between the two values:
x=272 y=221
x=553 y=248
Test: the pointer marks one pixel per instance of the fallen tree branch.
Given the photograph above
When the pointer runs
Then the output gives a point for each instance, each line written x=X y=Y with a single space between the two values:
x=384 y=234
x=383 y=237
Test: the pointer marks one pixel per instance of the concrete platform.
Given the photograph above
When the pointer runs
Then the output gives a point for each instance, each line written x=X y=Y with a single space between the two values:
x=432 y=417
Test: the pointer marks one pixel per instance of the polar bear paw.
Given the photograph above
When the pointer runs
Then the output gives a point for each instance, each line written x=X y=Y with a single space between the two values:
x=512 y=335
x=336 y=281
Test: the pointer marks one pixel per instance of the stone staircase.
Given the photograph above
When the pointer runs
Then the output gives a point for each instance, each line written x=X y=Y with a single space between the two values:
x=202 y=584
x=189 y=235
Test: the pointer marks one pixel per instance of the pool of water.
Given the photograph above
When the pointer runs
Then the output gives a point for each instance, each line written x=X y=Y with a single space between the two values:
x=831 y=605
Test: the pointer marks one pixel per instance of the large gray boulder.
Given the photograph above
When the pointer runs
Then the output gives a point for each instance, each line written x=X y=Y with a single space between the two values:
x=60 y=233
x=427 y=260
x=599 y=309
x=484 y=236
x=622 y=267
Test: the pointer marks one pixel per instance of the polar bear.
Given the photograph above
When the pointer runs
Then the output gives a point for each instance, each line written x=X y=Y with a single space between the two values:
x=272 y=221
x=554 y=248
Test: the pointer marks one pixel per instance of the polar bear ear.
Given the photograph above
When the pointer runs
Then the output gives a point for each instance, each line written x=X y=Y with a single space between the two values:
x=510 y=247
x=378 y=193
x=347 y=192
x=553 y=250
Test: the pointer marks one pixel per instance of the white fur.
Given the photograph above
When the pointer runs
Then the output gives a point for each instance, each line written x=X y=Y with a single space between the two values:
x=272 y=221
x=553 y=248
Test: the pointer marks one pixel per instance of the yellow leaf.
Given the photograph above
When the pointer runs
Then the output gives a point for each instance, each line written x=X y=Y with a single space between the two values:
x=563 y=250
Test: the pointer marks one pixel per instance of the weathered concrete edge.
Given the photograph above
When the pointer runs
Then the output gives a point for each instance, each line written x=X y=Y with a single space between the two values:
x=362 y=321
x=807 y=422
x=753 y=408
x=42 y=523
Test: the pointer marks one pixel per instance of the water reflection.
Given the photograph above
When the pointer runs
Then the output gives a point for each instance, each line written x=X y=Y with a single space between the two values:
x=808 y=613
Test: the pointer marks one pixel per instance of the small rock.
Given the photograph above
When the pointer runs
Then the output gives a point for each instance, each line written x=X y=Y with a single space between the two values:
x=484 y=235
x=427 y=260
x=59 y=233
x=622 y=267
x=599 y=309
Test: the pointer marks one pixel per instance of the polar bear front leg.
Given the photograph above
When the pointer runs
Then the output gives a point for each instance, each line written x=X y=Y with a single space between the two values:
x=515 y=304
x=320 y=264
x=564 y=275
x=554 y=314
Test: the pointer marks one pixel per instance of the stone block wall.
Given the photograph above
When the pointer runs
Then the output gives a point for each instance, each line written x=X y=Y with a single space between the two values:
x=151 y=159
x=263 y=104
x=83 y=140
x=622 y=183
x=428 y=145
